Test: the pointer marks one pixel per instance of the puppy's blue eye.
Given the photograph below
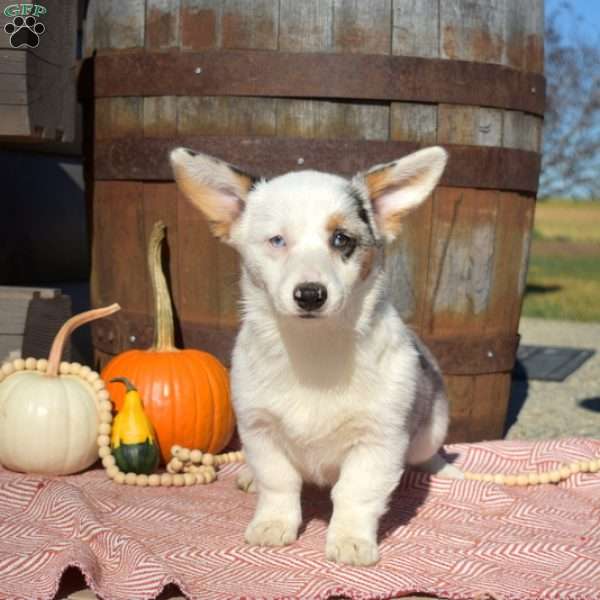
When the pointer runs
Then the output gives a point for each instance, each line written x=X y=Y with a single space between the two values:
x=277 y=241
x=340 y=240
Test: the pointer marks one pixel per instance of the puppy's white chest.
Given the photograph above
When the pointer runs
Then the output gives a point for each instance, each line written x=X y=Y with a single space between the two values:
x=317 y=429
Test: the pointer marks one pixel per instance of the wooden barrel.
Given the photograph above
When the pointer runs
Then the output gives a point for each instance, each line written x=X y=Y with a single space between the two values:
x=336 y=85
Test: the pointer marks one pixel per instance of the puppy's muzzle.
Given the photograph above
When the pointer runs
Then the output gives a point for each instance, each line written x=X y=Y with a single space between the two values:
x=310 y=296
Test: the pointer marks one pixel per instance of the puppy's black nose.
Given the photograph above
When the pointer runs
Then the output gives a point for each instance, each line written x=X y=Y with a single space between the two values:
x=310 y=296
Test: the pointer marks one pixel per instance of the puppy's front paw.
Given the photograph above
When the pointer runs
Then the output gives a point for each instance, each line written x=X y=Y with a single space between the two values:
x=245 y=481
x=271 y=533
x=352 y=551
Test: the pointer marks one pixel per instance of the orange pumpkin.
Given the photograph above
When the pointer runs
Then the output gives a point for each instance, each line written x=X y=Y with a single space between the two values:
x=186 y=392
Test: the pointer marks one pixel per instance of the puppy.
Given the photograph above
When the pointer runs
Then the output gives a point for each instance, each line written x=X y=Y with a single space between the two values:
x=329 y=386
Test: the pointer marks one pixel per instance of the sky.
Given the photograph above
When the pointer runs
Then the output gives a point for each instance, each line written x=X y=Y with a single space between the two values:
x=589 y=10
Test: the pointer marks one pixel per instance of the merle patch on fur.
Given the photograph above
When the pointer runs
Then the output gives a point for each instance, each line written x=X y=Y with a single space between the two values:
x=363 y=215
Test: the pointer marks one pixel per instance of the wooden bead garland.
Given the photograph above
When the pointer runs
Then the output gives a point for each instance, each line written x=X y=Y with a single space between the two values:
x=65 y=368
x=536 y=478
x=186 y=467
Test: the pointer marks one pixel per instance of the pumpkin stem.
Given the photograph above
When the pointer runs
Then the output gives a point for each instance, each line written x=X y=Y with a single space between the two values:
x=163 y=309
x=130 y=387
x=58 y=345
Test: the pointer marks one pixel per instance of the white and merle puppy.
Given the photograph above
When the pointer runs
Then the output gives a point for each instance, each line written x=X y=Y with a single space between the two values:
x=329 y=385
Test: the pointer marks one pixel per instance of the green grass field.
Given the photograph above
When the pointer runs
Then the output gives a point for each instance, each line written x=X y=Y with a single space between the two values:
x=564 y=267
x=568 y=221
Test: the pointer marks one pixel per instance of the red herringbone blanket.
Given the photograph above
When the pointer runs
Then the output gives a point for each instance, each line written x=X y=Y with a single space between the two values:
x=456 y=539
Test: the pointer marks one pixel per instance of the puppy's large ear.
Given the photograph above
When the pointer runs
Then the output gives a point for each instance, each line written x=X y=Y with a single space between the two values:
x=213 y=186
x=397 y=187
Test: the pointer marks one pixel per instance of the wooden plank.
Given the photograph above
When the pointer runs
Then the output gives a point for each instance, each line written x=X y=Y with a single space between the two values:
x=488 y=129
x=162 y=24
x=471 y=125
x=201 y=24
x=4 y=39
x=492 y=271
x=226 y=115
x=119 y=24
x=473 y=31
x=525 y=251
x=13 y=82
x=332 y=120
x=102 y=129
x=45 y=317
x=250 y=24
x=14 y=303
x=199 y=300
x=406 y=265
x=13 y=62
x=45 y=98
x=53 y=94
x=13 y=90
x=10 y=347
x=15 y=292
x=100 y=238
x=119 y=117
x=524 y=35
x=462 y=260
x=521 y=130
x=305 y=26
x=460 y=391
x=413 y=122
x=126 y=117
x=12 y=315
x=507 y=32
x=478 y=407
x=534 y=38
x=160 y=116
x=514 y=221
x=490 y=405
x=119 y=272
x=160 y=204
x=101 y=359
x=362 y=27
x=228 y=268
x=15 y=120
x=415 y=28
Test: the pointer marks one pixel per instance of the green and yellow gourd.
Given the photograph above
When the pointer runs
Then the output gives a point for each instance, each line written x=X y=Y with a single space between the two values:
x=133 y=440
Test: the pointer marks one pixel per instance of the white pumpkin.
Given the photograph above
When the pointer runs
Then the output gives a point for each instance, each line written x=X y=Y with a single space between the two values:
x=47 y=425
x=49 y=411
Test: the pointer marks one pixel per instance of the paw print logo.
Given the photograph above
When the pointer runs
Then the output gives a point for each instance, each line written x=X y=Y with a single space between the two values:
x=24 y=32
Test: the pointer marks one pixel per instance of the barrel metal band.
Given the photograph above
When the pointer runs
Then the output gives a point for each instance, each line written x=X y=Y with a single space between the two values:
x=318 y=75
x=457 y=355
x=145 y=159
x=474 y=354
